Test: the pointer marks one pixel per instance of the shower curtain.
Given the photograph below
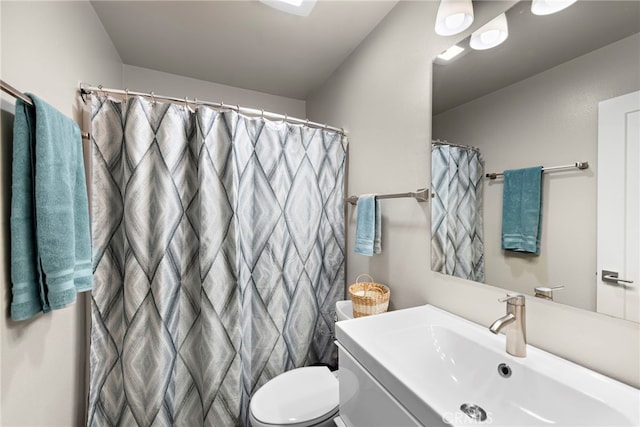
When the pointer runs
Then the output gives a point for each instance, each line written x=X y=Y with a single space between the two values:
x=218 y=257
x=457 y=237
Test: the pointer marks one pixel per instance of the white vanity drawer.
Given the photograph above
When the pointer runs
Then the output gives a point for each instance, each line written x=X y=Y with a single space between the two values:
x=364 y=402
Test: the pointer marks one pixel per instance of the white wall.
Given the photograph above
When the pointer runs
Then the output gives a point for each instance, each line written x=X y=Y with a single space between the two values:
x=548 y=119
x=146 y=80
x=382 y=95
x=47 y=49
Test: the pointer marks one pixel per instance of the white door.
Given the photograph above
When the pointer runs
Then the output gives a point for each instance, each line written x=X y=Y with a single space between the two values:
x=619 y=207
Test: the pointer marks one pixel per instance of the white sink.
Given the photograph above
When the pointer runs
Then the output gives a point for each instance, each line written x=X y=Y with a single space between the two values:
x=433 y=362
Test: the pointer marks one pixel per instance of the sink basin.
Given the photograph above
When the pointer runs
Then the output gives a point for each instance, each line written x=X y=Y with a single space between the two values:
x=434 y=362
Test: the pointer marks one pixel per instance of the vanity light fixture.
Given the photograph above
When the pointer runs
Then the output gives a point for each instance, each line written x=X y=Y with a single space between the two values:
x=491 y=34
x=451 y=53
x=294 y=7
x=454 y=16
x=547 y=7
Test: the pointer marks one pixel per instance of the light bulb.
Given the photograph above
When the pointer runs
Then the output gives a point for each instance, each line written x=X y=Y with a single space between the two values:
x=454 y=16
x=491 y=34
x=454 y=21
x=547 y=7
x=490 y=37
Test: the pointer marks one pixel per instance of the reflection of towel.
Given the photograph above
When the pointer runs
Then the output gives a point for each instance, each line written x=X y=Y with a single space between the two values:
x=522 y=210
x=368 y=230
x=50 y=235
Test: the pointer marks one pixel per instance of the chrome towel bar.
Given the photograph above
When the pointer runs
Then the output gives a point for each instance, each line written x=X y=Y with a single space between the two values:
x=421 y=195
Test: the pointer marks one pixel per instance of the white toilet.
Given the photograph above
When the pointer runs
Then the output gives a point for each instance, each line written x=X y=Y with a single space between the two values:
x=303 y=397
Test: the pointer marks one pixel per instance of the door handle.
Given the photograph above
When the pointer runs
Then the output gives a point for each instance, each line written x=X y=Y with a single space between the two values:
x=612 y=277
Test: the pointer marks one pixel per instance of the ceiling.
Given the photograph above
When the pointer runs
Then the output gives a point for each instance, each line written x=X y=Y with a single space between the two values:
x=245 y=44
x=535 y=44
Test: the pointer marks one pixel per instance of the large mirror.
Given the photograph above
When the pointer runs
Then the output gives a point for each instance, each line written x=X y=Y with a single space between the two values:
x=530 y=101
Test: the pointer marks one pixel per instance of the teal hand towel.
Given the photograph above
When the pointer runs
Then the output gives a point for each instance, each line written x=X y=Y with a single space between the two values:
x=368 y=226
x=58 y=211
x=522 y=210
x=26 y=289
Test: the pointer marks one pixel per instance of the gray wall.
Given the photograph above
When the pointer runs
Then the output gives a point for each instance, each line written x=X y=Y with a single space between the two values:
x=549 y=119
x=146 y=80
x=382 y=96
x=48 y=48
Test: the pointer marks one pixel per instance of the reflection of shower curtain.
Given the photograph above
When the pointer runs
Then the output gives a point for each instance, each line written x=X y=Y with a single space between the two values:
x=218 y=253
x=457 y=246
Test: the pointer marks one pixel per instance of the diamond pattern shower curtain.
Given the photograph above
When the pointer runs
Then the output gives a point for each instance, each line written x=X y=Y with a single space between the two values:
x=218 y=255
x=457 y=238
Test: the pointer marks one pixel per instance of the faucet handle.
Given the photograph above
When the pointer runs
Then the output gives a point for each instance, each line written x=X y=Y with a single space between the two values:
x=546 y=292
x=517 y=299
x=547 y=289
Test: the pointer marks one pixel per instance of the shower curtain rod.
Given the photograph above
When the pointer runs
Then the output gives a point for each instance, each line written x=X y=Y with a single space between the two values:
x=579 y=165
x=7 y=88
x=87 y=89
x=445 y=142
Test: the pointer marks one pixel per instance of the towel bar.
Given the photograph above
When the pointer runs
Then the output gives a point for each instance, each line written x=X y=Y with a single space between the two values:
x=579 y=165
x=421 y=195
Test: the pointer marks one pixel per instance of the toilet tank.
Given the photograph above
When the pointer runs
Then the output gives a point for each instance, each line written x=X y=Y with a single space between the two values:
x=344 y=310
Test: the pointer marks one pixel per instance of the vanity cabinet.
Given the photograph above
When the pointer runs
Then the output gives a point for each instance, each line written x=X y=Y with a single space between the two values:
x=364 y=401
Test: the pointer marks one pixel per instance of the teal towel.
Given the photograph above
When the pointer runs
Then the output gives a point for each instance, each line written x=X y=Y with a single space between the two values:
x=522 y=210
x=368 y=226
x=26 y=287
x=49 y=202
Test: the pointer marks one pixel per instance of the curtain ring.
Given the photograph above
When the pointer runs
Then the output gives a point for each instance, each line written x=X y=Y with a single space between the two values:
x=238 y=108
x=221 y=105
x=126 y=95
x=100 y=90
x=286 y=117
x=306 y=123
x=262 y=113
x=186 y=103
x=153 y=98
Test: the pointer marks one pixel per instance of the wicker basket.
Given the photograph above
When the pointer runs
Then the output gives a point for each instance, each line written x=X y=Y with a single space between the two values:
x=369 y=297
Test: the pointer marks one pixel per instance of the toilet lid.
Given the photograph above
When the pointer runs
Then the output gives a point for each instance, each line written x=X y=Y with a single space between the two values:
x=296 y=396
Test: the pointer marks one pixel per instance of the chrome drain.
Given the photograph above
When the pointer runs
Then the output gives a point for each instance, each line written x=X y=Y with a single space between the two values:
x=504 y=370
x=474 y=411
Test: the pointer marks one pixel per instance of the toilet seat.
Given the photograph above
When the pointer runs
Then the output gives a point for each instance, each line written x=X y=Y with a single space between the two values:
x=298 y=398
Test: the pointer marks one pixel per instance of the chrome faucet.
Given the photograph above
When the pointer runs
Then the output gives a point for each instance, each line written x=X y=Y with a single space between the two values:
x=514 y=321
